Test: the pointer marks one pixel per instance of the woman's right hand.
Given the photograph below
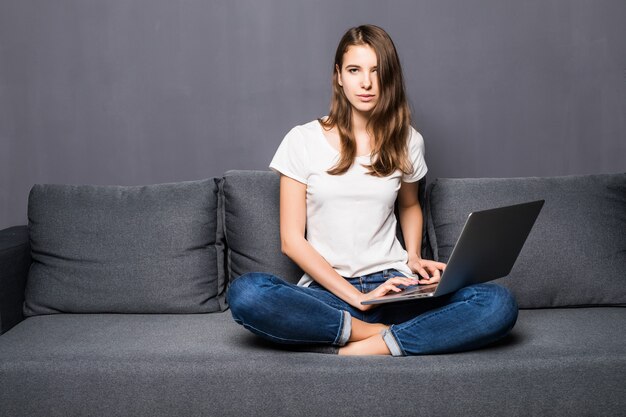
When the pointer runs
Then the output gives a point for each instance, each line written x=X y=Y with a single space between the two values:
x=389 y=286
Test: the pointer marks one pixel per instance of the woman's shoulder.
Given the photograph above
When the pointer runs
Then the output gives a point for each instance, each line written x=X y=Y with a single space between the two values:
x=415 y=137
x=306 y=132
x=310 y=127
x=414 y=133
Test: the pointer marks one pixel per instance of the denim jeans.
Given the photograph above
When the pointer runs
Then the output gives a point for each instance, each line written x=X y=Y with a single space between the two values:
x=282 y=312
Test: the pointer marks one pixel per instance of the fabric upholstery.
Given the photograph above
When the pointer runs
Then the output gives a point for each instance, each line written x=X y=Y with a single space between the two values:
x=252 y=225
x=14 y=263
x=576 y=251
x=251 y=221
x=558 y=362
x=124 y=249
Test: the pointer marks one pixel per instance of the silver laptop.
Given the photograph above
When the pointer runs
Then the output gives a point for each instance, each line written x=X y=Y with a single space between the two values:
x=486 y=249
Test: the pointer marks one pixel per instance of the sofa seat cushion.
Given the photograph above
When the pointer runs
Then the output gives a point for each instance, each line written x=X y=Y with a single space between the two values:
x=125 y=249
x=575 y=255
x=555 y=362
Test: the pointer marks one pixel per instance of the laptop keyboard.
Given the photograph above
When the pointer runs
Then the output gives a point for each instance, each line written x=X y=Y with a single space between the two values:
x=418 y=288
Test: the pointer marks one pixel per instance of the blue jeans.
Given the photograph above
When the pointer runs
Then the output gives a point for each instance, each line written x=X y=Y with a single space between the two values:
x=282 y=312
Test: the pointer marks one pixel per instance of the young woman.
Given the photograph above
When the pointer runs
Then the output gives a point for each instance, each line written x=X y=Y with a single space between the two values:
x=340 y=176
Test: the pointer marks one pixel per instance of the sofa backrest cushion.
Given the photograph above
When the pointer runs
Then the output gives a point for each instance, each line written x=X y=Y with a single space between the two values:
x=125 y=249
x=576 y=252
x=252 y=225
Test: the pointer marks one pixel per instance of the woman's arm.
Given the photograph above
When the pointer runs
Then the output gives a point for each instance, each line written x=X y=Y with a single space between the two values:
x=411 y=219
x=411 y=222
x=298 y=249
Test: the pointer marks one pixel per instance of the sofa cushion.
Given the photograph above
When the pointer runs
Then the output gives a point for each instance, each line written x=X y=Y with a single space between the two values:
x=252 y=225
x=125 y=249
x=576 y=251
x=557 y=362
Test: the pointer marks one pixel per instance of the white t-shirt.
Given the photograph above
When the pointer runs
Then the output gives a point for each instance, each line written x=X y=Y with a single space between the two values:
x=350 y=217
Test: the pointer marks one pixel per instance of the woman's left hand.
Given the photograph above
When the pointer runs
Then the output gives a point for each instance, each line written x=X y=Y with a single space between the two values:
x=427 y=269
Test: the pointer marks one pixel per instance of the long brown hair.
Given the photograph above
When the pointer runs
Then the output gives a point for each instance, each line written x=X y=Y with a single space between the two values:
x=390 y=120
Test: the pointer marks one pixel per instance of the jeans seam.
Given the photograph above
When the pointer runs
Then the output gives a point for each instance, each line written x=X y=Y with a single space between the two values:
x=271 y=336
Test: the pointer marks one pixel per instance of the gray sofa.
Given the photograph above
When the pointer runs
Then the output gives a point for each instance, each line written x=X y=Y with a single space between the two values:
x=112 y=303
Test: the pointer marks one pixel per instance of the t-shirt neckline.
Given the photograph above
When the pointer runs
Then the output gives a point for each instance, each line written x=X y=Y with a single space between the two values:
x=323 y=136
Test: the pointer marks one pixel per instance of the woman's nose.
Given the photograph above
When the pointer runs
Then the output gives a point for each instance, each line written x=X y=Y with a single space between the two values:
x=366 y=82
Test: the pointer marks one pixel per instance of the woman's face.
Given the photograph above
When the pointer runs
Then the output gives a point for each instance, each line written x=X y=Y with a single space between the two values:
x=358 y=77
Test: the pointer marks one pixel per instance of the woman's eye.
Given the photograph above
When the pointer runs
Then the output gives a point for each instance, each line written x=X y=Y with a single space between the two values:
x=352 y=69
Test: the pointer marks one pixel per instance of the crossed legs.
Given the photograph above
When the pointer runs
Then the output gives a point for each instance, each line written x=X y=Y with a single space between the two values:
x=467 y=319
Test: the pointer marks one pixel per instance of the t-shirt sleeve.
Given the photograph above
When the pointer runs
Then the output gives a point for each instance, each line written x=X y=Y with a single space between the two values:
x=416 y=155
x=291 y=157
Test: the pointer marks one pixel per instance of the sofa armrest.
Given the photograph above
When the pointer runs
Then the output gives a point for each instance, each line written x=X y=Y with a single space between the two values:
x=14 y=264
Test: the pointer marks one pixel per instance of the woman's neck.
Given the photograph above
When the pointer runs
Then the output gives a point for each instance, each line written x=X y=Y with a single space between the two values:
x=359 y=123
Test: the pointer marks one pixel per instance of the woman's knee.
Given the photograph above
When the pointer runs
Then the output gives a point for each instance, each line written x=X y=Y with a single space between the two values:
x=502 y=307
x=245 y=290
x=498 y=306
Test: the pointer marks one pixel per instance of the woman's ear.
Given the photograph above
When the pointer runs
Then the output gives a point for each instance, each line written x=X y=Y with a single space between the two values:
x=338 y=75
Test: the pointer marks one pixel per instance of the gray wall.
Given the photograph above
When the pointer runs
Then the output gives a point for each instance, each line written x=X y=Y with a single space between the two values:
x=148 y=91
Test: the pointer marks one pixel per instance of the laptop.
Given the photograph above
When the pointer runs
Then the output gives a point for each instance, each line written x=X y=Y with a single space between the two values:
x=486 y=249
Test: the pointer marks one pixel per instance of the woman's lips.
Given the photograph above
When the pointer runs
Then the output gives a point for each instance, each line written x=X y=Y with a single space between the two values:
x=366 y=97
